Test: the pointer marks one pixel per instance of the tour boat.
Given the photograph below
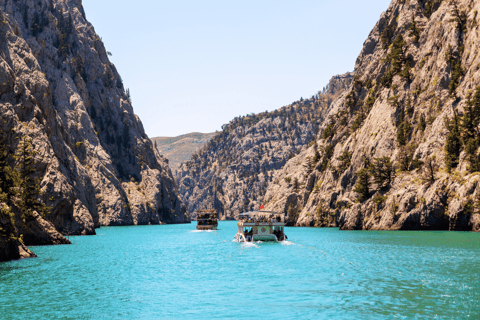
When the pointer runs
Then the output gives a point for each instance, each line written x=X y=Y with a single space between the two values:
x=261 y=226
x=207 y=219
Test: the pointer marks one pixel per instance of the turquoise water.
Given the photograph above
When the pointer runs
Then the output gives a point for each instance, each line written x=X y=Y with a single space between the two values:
x=172 y=272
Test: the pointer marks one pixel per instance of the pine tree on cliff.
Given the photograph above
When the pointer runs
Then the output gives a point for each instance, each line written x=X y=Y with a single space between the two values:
x=7 y=222
x=362 y=187
x=29 y=187
x=470 y=135
x=382 y=171
x=453 y=144
x=6 y=174
x=414 y=32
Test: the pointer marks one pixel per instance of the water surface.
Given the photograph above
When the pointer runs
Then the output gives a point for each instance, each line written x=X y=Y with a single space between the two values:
x=173 y=272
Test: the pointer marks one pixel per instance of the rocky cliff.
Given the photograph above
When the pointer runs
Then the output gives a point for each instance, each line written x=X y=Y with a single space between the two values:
x=180 y=149
x=399 y=149
x=233 y=170
x=95 y=163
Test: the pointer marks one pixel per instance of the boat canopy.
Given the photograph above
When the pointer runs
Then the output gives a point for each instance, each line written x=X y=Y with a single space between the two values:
x=261 y=215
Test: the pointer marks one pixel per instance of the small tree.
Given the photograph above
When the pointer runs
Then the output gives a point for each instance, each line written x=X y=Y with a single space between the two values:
x=414 y=32
x=345 y=160
x=405 y=157
x=295 y=184
x=471 y=152
x=453 y=144
x=362 y=187
x=308 y=165
x=316 y=157
x=29 y=190
x=7 y=222
x=430 y=167
x=7 y=175
x=382 y=171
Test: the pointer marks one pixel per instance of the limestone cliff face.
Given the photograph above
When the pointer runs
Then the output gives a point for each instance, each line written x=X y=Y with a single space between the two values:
x=418 y=68
x=57 y=87
x=234 y=169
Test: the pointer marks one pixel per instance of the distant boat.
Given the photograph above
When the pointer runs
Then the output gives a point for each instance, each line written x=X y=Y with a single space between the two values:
x=261 y=226
x=207 y=219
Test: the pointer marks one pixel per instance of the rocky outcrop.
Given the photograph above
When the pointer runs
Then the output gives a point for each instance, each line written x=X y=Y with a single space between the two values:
x=418 y=68
x=11 y=250
x=234 y=169
x=58 y=88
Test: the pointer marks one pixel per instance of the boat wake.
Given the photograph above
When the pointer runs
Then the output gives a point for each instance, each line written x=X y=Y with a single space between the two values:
x=202 y=230
x=287 y=243
x=250 y=244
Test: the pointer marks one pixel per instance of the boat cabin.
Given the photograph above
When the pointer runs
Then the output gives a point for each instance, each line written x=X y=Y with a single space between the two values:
x=207 y=219
x=261 y=226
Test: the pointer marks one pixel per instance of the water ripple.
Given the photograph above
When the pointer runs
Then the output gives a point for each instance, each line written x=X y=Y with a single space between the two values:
x=175 y=272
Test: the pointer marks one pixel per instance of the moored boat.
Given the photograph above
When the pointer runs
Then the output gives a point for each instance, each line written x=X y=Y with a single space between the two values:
x=207 y=219
x=261 y=226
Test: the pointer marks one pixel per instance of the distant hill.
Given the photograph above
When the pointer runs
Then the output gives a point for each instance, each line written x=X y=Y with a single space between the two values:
x=179 y=149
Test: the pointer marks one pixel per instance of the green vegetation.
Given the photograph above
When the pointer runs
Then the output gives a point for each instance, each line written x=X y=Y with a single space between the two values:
x=363 y=112
x=399 y=65
x=414 y=32
x=328 y=132
x=39 y=22
x=457 y=69
x=386 y=36
x=351 y=100
x=454 y=58
x=382 y=172
x=29 y=187
x=308 y=165
x=295 y=184
x=327 y=155
x=345 y=160
x=422 y=124
x=64 y=34
x=379 y=200
x=363 y=185
x=431 y=6
x=7 y=222
x=453 y=143
x=405 y=156
x=430 y=167
x=464 y=133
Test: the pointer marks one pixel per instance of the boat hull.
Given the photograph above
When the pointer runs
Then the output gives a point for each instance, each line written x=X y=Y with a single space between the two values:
x=264 y=238
x=206 y=227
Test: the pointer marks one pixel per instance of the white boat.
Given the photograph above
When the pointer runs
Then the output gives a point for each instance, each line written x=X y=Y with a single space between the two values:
x=261 y=226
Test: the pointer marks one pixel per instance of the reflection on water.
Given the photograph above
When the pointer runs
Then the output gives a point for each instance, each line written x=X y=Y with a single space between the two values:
x=174 y=272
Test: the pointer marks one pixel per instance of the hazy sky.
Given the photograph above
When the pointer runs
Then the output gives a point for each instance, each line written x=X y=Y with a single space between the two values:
x=195 y=65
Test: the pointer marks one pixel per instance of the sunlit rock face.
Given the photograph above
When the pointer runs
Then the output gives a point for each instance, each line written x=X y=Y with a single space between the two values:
x=57 y=87
x=418 y=67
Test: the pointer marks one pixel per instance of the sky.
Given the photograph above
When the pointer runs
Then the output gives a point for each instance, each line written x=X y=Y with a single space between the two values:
x=192 y=66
